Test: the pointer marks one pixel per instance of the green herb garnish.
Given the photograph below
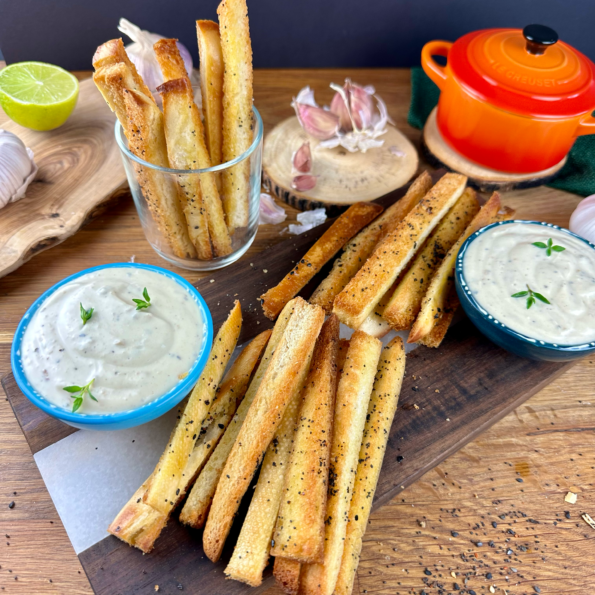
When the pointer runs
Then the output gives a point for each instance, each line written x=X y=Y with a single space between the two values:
x=140 y=304
x=549 y=247
x=78 y=393
x=531 y=295
x=86 y=314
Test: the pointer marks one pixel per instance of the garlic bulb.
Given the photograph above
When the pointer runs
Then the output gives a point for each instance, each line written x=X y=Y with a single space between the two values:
x=17 y=168
x=582 y=221
x=142 y=55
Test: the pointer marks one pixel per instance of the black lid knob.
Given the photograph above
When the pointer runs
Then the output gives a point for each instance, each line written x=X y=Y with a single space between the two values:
x=539 y=38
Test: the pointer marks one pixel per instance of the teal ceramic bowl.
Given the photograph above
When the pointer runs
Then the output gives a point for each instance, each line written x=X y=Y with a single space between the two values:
x=122 y=419
x=497 y=331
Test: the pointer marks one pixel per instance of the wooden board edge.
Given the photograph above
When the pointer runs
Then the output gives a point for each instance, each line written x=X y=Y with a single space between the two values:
x=40 y=244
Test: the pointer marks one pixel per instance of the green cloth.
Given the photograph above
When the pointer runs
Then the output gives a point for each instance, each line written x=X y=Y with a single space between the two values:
x=578 y=175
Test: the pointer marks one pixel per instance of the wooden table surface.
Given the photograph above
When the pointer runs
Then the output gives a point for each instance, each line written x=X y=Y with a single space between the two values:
x=491 y=518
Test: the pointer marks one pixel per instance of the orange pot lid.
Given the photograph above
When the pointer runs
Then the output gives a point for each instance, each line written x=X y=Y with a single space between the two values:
x=525 y=71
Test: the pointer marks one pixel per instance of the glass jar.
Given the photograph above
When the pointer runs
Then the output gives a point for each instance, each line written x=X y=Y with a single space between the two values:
x=248 y=164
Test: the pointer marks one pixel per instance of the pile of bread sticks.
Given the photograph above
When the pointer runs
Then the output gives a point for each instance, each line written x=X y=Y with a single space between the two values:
x=313 y=412
x=398 y=271
x=196 y=214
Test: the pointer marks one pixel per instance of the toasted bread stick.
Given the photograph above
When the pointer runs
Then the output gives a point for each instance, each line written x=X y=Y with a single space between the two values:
x=113 y=52
x=362 y=245
x=180 y=115
x=168 y=475
x=330 y=242
x=187 y=147
x=299 y=531
x=211 y=86
x=381 y=411
x=353 y=396
x=375 y=325
x=147 y=141
x=198 y=504
x=359 y=298
x=341 y=356
x=251 y=553
x=170 y=60
x=112 y=80
x=238 y=122
x=137 y=523
x=287 y=575
x=439 y=289
x=405 y=303
x=436 y=335
x=283 y=375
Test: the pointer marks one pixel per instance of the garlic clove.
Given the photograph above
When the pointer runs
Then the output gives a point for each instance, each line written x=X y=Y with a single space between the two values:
x=302 y=159
x=582 y=220
x=341 y=110
x=317 y=122
x=303 y=183
x=362 y=106
x=17 y=168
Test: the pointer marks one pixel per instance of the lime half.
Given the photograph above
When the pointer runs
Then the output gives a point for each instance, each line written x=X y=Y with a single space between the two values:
x=37 y=95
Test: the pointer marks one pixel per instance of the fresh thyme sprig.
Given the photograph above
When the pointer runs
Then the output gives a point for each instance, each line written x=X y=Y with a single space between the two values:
x=86 y=314
x=549 y=247
x=531 y=296
x=78 y=394
x=140 y=304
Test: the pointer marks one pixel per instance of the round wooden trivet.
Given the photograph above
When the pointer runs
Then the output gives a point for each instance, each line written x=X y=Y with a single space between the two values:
x=343 y=177
x=440 y=154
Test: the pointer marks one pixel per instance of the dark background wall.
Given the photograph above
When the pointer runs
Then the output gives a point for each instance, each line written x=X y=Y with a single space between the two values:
x=285 y=33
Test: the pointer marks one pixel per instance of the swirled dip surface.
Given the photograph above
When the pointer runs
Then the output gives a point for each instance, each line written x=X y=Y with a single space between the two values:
x=503 y=261
x=134 y=355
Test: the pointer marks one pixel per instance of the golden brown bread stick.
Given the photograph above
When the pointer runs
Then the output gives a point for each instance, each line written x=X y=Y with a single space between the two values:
x=146 y=139
x=405 y=302
x=238 y=122
x=353 y=396
x=198 y=503
x=211 y=85
x=362 y=245
x=168 y=474
x=381 y=411
x=287 y=575
x=330 y=242
x=283 y=374
x=299 y=531
x=360 y=296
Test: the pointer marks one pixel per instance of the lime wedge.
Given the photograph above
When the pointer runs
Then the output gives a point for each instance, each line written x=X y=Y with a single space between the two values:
x=37 y=95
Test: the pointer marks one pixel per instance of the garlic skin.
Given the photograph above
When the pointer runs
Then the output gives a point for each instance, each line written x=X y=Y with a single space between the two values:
x=17 y=168
x=582 y=220
x=270 y=211
x=143 y=57
x=360 y=117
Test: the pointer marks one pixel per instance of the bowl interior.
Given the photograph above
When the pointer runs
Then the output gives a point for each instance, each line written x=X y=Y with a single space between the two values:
x=131 y=417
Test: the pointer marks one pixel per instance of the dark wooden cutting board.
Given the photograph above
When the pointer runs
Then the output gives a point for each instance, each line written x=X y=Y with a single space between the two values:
x=460 y=390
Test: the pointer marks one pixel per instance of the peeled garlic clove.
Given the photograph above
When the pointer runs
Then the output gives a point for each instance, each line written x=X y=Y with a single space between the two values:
x=17 y=168
x=362 y=106
x=339 y=108
x=582 y=221
x=302 y=159
x=303 y=183
x=316 y=121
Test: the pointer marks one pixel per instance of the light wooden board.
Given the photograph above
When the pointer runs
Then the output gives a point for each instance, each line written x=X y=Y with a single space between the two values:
x=80 y=168
x=342 y=177
x=549 y=439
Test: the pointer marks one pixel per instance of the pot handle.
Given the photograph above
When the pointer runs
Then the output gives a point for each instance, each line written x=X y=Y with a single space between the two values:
x=586 y=125
x=436 y=72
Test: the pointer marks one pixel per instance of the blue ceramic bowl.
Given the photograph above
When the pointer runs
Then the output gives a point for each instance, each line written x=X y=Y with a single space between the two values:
x=122 y=419
x=498 y=332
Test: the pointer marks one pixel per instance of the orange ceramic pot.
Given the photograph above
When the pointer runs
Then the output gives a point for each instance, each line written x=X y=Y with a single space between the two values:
x=512 y=100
